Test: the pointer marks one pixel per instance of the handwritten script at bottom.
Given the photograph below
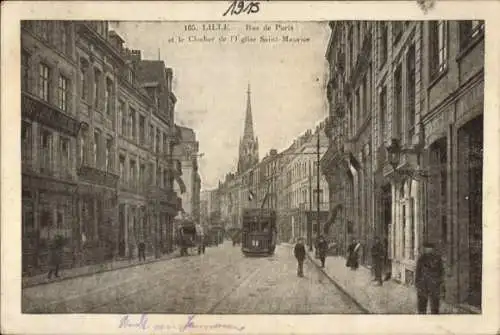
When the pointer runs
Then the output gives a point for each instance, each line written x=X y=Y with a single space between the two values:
x=143 y=323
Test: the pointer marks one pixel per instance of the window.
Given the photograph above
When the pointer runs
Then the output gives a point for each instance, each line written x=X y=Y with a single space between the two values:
x=133 y=180
x=109 y=154
x=63 y=37
x=133 y=126
x=97 y=78
x=43 y=81
x=97 y=139
x=397 y=30
x=383 y=43
x=108 y=98
x=65 y=162
x=351 y=48
x=84 y=79
x=27 y=143
x=365 y=106
x=44 y=30
x=142 y=129
x=45 y=151
x=410 y=86
x=469 y=31
x=152 y=136
x=165 y=178
x=122 y=170
x=25 y=71
x=83 y=146
x=157 y=149
x=142 y=173
x=139 y=178
x=151 y=172
x=437 y=48
x=383 y=112
x=123 y=115
x=398 y=102
x=62 y=93
x=359 y=108
x=165 y=145
x=359 y=36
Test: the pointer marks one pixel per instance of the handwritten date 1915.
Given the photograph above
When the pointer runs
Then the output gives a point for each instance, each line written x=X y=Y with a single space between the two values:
x=240 y=6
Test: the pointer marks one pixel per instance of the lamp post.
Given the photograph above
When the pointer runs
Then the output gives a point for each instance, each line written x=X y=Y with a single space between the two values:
x=394 y=152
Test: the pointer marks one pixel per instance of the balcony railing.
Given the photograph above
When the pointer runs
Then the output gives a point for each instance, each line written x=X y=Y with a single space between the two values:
x=48 y=115
x=99 y=177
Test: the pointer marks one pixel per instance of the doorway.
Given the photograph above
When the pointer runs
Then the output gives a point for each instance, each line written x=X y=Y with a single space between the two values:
x=121 y=232
x=386 y=224
x=474 y=164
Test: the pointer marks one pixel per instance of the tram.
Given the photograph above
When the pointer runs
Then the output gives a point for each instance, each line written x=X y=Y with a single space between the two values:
x=259 y=232
x=188 y=236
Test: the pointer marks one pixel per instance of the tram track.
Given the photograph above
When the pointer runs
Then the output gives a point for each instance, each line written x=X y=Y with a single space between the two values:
x=62 y=305
x=158 y=284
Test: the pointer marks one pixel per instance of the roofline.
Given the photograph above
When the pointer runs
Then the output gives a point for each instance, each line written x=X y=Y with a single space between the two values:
x=333 y=25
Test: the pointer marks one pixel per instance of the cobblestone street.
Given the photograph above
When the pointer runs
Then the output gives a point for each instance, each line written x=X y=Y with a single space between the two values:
x=222 y=281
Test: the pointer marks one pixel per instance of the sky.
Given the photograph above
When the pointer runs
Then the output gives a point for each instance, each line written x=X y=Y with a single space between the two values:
x=288 y=83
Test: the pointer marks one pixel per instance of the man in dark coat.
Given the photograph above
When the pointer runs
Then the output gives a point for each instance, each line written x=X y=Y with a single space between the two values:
x=142 y=250
x=378 y=255
x=429 y=279
x=353 y=255
x=56 y=255
x=300 y=253
x=322 y=249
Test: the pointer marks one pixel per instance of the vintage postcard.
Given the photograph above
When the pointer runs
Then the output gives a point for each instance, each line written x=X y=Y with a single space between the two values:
x=250 y=167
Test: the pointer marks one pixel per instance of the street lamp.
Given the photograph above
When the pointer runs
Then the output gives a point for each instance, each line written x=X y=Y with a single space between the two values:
x=394 y=152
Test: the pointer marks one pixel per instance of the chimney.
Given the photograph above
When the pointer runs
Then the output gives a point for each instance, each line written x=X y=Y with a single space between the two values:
x=116 y=40
x=135 y=55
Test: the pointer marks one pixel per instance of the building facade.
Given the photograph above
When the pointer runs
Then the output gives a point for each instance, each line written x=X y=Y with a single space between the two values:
x=49 y=132
x=299 y=187
x=88 y=159
x=412 y=159
x=186 y=152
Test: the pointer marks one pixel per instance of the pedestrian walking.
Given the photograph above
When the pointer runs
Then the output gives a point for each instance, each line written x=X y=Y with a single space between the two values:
x=142 y=250
x=353 y=255
x=378 y=255
x=201 y=246
x=322 y=247
x=300 y=253
x=429 y=279
x=55 y=256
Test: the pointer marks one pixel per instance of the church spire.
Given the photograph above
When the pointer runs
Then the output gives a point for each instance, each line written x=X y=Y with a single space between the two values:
x=249 y=146
x=248 y=132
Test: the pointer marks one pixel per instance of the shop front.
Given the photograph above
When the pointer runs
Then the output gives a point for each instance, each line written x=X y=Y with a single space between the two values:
x=48 y=209
x=98 y=226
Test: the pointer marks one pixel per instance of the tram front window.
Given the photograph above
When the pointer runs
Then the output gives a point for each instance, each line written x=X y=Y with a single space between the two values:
x=265 y=227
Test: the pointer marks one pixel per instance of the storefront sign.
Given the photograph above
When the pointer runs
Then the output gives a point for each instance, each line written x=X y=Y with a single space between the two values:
x=98 y=177
x=471 y=102
x=48 y=115
x=437 y=125
x=55 y=186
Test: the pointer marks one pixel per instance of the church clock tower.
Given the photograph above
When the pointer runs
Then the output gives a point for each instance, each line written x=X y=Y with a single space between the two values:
x=249 y=145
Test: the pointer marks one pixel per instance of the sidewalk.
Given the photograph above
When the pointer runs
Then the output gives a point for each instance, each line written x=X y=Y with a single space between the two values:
x=93 y=269
x=391 y=298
